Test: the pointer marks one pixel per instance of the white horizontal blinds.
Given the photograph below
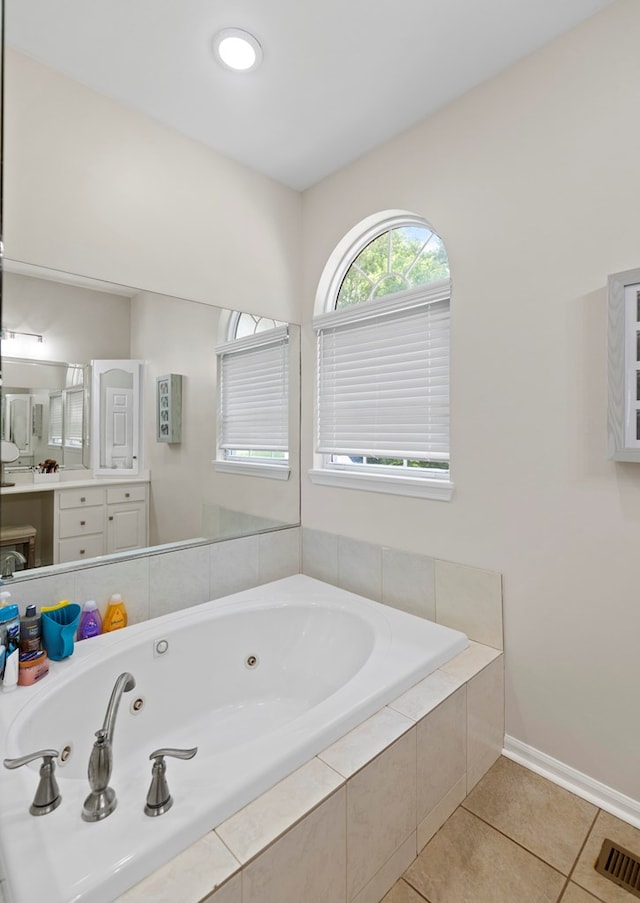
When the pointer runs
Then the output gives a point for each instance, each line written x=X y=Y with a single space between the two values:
x=254 y=393
x=55 y=420
x=73 y=418
x=383 y=378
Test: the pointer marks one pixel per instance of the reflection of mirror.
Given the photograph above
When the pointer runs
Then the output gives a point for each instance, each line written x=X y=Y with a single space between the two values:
x=46 y=409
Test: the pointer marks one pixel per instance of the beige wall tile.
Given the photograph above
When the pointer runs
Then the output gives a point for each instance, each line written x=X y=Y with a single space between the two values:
x=470 y=599
x=188 y=877
x=426 y=695
x=440 y=813
x=485 y=720
x=233 y=566
x=468 y=663
x=441 y=739
x=267 y=817
x=278 y=554
x=360 y=567
x=365 y=742
x=381 y=811
x=231 y=892
x=307 y=864
x=320 y=555
x=407 y=583
x=129 y=578
x=389 y=874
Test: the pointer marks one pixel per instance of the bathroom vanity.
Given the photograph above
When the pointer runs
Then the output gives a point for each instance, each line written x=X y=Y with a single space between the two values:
x=80 y=518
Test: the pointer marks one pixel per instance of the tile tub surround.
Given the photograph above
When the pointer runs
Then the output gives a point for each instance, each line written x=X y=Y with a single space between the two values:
x=171 y=580
x=456 y=595
x=348 y=823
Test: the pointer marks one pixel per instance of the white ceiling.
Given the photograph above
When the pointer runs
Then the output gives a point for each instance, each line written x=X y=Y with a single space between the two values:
x=338 y=77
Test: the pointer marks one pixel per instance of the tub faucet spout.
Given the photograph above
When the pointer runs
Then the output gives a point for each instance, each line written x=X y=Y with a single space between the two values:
x=102 y=800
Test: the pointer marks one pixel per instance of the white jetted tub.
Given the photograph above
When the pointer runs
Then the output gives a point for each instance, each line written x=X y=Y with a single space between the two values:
x=260 y=682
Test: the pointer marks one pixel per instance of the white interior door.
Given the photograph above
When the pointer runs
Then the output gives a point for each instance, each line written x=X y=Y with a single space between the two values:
x=119 y=428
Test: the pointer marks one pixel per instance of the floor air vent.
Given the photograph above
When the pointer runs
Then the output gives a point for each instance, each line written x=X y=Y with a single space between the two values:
x=620 y=866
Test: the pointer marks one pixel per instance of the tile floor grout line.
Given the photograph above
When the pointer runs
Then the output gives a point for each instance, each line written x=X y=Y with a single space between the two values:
x=580 y=852
x=414 y=889
x=513 y=840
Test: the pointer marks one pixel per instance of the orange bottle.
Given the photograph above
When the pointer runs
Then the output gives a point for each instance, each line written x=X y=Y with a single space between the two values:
x=116 y=614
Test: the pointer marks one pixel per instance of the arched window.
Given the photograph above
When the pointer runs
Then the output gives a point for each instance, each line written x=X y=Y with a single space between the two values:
x=382 y=406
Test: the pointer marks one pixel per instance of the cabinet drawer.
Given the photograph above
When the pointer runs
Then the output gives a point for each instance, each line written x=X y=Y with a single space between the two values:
x=136 y=493
x=80 y=548
x=81 y=521
x=81 y=498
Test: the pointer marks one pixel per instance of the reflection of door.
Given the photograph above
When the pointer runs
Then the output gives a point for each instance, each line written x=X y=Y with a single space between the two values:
x=119 y=428
x=116 y=412
x=17 y=424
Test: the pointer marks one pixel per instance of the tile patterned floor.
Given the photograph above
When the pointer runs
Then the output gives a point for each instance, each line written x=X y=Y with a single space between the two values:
x=517 y=838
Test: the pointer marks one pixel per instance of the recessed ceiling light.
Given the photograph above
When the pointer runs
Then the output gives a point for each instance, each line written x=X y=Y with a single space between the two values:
x=237 y=49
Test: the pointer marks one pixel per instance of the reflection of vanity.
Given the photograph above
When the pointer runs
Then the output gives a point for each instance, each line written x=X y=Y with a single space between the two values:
x=81 y=519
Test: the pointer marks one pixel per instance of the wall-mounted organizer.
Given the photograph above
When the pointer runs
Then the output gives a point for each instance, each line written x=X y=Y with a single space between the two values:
x=624 y=366
x=169 y=408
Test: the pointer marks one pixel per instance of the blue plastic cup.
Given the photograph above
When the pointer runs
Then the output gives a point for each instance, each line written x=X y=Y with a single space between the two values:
x=59 y=629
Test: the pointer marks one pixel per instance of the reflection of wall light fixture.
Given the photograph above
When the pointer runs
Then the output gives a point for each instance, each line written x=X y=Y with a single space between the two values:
x=13 y=334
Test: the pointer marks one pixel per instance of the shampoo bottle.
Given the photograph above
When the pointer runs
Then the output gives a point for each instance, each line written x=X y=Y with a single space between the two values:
x=116 y=614
x=90 y=621
x=30 y=630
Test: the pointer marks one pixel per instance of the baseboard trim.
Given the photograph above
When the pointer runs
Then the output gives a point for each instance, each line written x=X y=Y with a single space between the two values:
x=623 y=807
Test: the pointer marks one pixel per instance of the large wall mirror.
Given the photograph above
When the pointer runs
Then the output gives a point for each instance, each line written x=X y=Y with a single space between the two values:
x=91 y=273
x=58 y=325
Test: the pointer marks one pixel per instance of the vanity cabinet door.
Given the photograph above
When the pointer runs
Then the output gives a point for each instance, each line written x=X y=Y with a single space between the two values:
x=127 y=517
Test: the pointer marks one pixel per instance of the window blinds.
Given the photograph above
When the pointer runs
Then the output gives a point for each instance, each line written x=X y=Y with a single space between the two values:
x=383 y=377
x=73 y=417
x=55 y=420
x=253 y=392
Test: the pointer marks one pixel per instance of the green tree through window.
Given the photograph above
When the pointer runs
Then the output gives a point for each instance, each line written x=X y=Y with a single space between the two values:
x=400 y=259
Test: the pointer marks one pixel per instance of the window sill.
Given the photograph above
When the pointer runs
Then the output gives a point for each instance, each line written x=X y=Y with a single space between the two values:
x=270 y=471
x=441 y=490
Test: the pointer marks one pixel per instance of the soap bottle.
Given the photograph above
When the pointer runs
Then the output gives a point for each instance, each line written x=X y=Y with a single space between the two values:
x=30 y=630
x=116 y=614
x=90 y=621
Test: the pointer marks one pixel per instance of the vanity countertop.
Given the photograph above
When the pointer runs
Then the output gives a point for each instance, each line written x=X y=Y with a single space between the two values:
x=65 y=482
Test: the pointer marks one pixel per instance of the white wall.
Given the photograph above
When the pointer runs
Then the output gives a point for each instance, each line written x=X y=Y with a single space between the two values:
x=532 y=180
x=96 y=189
x=78 y=324
x=176 y=336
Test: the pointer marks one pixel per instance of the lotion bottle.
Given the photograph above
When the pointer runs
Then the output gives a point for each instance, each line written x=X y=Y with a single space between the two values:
x=90 y=621
x=10 y=680
x=116 y=614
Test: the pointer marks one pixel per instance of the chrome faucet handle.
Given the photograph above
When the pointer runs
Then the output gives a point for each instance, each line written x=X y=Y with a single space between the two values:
x=159 y=800
x=47 y=796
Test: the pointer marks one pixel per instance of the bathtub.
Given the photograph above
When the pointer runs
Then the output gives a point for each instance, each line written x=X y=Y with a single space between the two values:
x=260 y=682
